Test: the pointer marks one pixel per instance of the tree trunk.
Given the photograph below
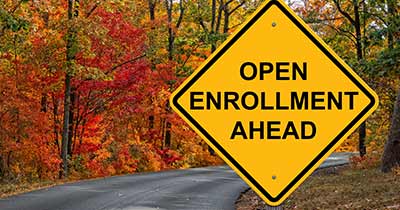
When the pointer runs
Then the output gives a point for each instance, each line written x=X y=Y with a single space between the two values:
x=171 y=37
x=152 y=9
x=55 y=121
x=71 y=122
x=226 y=19
x=70 y=56
x=362 y=130
x=391 y=4
x=152 y=15
x=43 y=103
x=171 y=48
x=64 y=141
x=391 y=154
x=356 y=23
x=1 y=167
x=213 y=20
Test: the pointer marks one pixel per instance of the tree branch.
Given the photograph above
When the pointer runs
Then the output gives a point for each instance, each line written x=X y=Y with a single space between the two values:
x=16 y=7
x=234 y=26
x=228 y=2
x=345 y=33
x=323 y=20
x=378 y=17
x=190 y=55
x=92 y=10
x=181 y=11
x=344 y=13
x=124 y=63
x=237 y=7
x=202 y=25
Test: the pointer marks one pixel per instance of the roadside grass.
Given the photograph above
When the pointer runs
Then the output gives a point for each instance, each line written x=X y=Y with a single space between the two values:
x=345 y=188
x=11 y=188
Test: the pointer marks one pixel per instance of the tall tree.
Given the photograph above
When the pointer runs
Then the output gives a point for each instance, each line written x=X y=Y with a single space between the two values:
x=355 y=21
x=70 y=57
x=228 y=11
x=221 y=12
x=172 y=29
x=391 y=154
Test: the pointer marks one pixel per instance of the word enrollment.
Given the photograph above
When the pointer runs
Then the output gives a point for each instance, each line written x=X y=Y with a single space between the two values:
x=273 y=101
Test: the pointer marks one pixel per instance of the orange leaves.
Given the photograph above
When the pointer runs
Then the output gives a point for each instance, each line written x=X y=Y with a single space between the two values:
x=169 y=156
x=120 y=115
x=366 y=162
x=125 y=162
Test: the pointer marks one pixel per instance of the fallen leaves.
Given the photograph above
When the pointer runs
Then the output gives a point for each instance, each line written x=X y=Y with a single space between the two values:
x=349 y=189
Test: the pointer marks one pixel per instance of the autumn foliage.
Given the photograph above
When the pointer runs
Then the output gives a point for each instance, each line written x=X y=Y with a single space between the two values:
x=124 y=59
x=119 y=110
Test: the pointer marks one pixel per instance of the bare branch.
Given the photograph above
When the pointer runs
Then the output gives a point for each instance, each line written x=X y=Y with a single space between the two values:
x=234 y=26
x=378 y=17
x=181 y=12
x=16 y=7
x=344 y=13
x=323 y=20
x=92 y=10
x=213 y=14
x=343 y=32
x=190 y=54
x=203 y=26
x=126 y=62
x=237 y=7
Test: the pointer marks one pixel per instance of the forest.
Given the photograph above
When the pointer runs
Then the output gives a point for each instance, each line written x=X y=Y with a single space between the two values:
x=85 y=85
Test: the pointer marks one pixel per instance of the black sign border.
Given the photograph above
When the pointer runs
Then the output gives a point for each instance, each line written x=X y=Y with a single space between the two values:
x=223 y=50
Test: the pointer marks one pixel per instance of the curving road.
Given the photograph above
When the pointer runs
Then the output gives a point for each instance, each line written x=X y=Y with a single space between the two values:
x=199 y=188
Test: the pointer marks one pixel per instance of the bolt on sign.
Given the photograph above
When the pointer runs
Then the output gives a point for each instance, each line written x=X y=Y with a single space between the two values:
x=274 y=101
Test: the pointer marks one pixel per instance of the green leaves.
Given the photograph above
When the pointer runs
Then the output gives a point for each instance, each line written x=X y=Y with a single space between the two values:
x=15 y=24
x=386 y=63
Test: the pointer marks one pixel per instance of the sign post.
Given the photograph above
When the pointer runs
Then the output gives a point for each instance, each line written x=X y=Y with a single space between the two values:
x=274 y=101
x=273 y=208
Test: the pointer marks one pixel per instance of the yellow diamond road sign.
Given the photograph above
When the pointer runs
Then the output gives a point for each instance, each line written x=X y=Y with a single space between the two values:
x=274 y=101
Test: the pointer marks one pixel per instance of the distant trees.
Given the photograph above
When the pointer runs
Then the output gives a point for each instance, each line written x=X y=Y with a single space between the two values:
x=84 y=85
x=356 y=24
x=362 y=33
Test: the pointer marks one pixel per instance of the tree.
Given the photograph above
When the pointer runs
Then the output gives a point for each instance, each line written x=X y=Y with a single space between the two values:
x=70 y=57
x=391 y=155
x=356 y=23
x=172 y=28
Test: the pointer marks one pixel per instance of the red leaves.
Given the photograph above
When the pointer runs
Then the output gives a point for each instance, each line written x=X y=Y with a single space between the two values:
x=169 y=156
x=119 y=101
x=366 y=162
x=87 y=147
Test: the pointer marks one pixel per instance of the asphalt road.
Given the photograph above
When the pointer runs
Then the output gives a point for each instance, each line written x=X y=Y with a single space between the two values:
x=199 y=188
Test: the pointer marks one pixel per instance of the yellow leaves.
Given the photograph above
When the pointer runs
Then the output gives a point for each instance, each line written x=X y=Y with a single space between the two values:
x=102 y=154
x=16 y=169
x=111 y=170
x=8 y=189
x=135 y=140
x=5 y=65
x=90 y=73
x=396 y=171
